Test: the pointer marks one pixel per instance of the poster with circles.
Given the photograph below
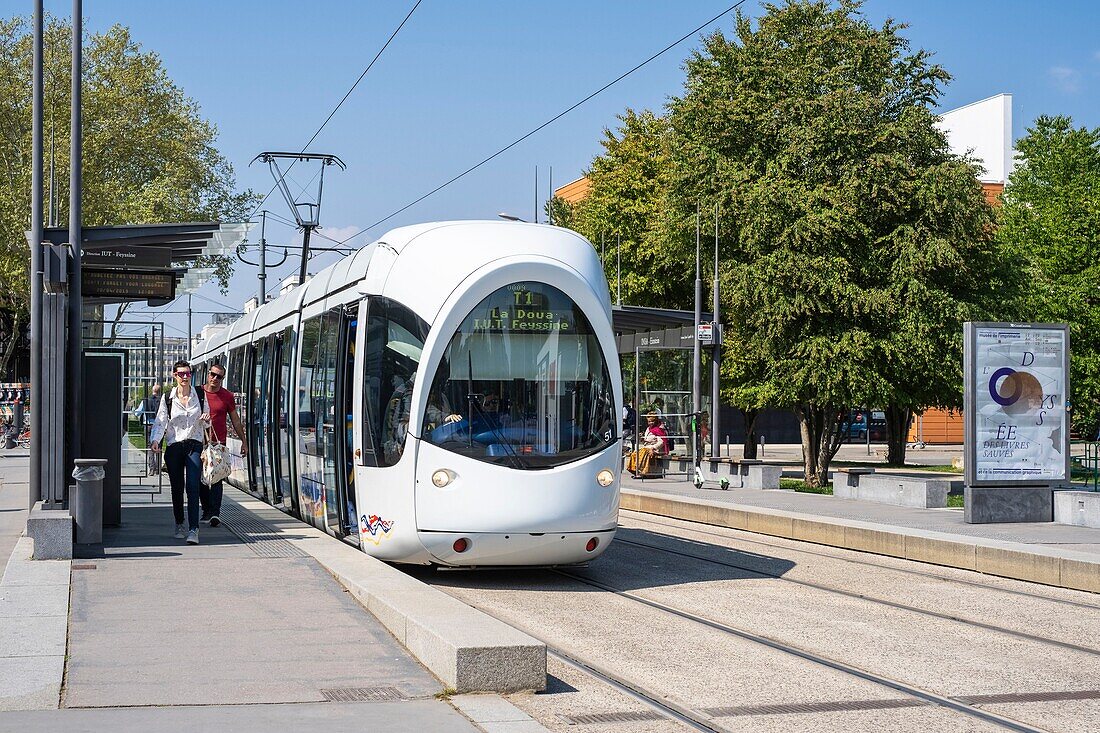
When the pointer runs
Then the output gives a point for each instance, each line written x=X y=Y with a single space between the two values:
x=1018 y=385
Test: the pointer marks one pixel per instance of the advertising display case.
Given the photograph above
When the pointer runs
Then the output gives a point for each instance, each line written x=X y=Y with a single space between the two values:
x=1016 y=404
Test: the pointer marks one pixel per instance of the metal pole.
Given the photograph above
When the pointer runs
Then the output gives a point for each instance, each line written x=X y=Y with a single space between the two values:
x=637 y=392
x=76 y=302
x=305 y=255
x=37 y=430
x=696 y=367
x=715 y=354
x=189 y=327
x=618 y=269
x=550 y=206
x=536 y=219
x=263 y=261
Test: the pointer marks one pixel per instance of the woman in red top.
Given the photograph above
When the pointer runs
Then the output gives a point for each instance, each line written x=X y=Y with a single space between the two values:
x=219 y=405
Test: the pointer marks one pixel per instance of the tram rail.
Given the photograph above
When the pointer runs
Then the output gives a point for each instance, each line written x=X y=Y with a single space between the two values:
x=906 y=689
x=869 y=599
x=642 y=518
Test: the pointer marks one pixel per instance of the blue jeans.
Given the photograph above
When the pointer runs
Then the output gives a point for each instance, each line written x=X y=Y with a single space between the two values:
x=211 y=498
x=184 y=460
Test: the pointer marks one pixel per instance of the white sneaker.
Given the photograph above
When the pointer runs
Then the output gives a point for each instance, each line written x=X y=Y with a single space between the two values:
x=181 y=531
x=193 y=537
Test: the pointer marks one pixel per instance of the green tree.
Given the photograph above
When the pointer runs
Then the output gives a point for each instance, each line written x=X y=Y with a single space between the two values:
x=1052 y=215
x=844 y=212
x=149 y=156
x=626 y=204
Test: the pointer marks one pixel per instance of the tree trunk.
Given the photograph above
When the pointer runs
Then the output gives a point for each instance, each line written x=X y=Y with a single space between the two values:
x=16 y=335
x=821 y=437
x=751 y=437
x=114 y=324
x=897 y=433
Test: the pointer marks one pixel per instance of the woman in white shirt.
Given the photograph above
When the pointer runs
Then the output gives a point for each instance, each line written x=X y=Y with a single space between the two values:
x=180 y=422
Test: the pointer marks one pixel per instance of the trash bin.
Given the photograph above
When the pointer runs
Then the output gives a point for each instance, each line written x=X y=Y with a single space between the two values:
x=87 y=502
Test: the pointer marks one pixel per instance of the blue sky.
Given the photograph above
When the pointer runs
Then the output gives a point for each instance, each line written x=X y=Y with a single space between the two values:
x=463 y=79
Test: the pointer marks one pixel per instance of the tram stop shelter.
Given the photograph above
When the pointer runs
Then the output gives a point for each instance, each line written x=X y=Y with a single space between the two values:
x=661 y=342
x=153 y=263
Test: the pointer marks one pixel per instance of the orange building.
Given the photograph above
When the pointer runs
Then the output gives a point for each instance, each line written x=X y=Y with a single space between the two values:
x=937 y=426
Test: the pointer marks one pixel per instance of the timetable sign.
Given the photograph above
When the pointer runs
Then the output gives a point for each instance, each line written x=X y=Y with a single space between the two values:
x=127 y=284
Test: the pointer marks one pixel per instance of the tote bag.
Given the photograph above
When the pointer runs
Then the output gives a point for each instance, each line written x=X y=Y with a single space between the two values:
x=215 y=460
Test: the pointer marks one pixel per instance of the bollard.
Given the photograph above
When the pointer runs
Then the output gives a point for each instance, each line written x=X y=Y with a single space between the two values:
x=87 y=502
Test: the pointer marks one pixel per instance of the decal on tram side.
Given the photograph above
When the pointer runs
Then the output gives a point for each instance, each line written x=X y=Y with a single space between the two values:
x=378 y=528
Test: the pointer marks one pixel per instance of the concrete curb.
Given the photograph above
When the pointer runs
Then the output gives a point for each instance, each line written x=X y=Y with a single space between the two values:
x=494 y=714
x=1037 y=564
x=466 y=649
x=34 y=625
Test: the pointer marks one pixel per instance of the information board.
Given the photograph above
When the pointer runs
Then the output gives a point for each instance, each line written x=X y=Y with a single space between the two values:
x=121 y=255
x=1017 y=383
x=127 y=284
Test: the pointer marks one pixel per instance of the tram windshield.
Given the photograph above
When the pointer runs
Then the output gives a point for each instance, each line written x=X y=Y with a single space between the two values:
x=523 y=383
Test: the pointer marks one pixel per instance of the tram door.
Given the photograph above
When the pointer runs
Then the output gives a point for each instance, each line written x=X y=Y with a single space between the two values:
x=260 y=430
x=282 y=453
x=339 y=474
x=257 y=412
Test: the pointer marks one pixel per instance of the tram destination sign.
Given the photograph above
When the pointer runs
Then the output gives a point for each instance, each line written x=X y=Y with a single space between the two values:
x=122 y=255
x=127 y=284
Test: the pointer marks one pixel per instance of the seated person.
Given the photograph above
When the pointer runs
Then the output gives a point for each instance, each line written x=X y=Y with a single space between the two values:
x=654 y=444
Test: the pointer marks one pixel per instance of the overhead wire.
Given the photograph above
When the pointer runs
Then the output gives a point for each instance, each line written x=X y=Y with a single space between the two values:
x=340 y=104
x=550 y=121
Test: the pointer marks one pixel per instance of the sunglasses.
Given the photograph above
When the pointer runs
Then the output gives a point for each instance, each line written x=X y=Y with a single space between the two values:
x=183 y=375
x=215 y=375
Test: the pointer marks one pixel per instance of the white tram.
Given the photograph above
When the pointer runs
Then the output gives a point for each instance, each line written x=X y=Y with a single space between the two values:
x=446 y=395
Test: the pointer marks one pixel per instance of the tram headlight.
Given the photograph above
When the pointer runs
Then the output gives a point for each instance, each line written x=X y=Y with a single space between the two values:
x=605 y=477
x=442 y=477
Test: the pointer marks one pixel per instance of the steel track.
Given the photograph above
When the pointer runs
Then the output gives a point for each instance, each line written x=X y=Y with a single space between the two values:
x=870 y=599
x=935 y=576
x=915 y=692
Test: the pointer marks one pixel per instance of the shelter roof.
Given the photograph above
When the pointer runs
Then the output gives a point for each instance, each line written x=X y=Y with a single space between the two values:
x=638 y=319
x=186 y=242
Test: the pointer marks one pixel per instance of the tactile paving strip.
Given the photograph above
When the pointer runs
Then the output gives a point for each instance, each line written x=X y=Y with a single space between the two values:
x=261 y=537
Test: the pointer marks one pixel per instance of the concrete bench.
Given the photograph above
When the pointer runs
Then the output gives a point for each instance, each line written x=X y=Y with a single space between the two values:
x=896 y=489
x=743 y=473
x=850 y=476
x=1080 y=508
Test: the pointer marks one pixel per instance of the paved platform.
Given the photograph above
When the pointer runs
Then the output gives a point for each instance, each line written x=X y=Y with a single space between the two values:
x=1054 y=554
x=242 y=631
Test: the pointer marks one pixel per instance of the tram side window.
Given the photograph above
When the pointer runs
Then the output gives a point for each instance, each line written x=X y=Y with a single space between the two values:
x=395 y=340
x=324 y=378
x=307 y=419
x=235 y=382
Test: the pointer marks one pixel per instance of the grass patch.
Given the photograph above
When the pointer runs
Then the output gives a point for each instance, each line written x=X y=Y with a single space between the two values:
x=136 y=433
x=799 y=485
x=936 y=468
x=954 y=501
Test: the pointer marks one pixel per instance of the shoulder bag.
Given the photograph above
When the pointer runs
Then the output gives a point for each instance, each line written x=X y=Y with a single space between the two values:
x=215 y=460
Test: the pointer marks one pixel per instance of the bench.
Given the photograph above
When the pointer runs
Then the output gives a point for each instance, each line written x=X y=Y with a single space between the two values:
x=892 y=488
x=1079 y=508
x=742 y=473
x=848 y=478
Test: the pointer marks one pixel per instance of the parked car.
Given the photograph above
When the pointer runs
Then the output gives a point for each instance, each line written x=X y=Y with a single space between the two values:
x=856 y=426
